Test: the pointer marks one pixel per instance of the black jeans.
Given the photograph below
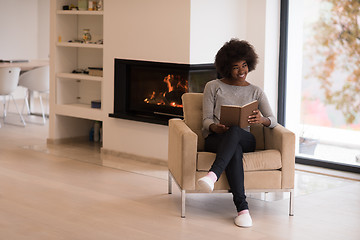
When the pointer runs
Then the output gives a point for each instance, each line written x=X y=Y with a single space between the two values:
x=229 y=148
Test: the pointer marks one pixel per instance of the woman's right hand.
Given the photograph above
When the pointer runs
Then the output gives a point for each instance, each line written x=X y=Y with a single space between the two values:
x=218 y=128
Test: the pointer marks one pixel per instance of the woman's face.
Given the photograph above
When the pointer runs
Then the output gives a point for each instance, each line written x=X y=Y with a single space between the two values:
x=239 y=71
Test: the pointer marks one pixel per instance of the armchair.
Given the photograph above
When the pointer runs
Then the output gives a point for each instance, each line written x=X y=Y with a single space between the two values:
x=270 y=168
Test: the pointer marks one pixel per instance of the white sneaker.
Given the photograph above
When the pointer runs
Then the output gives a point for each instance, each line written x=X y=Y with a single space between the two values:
x=243 y=220
x=206 y=184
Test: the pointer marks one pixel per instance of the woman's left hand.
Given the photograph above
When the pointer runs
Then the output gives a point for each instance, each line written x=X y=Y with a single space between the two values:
x=257 y=118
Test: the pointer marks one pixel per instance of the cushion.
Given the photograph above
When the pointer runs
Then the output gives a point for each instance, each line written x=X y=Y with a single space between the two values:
x=253 y=161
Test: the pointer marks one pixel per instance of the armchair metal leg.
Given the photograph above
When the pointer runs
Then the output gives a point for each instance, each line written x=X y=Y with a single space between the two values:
x=183 y=203
x=291 y=204
x=169 y=183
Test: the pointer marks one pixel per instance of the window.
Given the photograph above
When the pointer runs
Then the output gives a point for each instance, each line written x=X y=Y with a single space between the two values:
x=323 y=81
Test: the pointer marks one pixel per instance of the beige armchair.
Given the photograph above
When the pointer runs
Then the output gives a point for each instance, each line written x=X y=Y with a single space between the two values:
x=269 y=169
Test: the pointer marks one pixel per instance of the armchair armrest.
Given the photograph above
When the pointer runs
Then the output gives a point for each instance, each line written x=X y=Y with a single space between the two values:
x=283 y=140
x=182 y=153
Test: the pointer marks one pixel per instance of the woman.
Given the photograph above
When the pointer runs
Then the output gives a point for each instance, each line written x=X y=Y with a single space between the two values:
x=233 y=61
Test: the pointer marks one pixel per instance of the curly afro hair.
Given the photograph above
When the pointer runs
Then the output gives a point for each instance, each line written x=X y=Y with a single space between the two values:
x=232 y=52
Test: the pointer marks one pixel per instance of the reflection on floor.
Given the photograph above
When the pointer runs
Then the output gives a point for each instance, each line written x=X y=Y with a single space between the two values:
x=305 y=182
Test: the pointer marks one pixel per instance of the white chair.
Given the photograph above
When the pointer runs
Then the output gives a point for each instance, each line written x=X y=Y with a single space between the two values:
x=9 y=79
x=36 y=80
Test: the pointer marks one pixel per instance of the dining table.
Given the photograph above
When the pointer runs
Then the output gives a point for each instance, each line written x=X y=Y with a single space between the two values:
x=24 y=65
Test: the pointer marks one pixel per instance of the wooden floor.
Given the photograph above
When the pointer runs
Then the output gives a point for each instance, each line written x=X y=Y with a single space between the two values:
x=53 y=192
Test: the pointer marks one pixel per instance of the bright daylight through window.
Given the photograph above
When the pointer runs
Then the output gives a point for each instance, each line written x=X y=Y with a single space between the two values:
x=323 y=93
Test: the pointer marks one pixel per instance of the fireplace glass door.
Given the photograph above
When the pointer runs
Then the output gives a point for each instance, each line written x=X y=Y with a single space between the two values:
x=151 y=91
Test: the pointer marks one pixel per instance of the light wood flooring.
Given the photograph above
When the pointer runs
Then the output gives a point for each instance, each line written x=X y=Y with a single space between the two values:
x=64 y=192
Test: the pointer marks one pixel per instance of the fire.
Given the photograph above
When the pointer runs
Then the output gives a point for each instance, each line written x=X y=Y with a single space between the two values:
x=167 y=81
x=172 y=96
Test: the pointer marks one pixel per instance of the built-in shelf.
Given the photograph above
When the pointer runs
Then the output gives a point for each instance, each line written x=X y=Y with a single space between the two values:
x=80 y=111
x=73 y=93
x=77 y=12
x=79 y=76
x=79 y=45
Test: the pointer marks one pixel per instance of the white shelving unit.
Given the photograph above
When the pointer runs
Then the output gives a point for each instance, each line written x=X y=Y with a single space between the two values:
x=79 y=45
x=74 y=92
x=68 y=12
x=78 y=76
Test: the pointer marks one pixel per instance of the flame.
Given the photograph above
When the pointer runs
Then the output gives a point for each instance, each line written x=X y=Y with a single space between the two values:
x=147 y=100
x=167 y=81
x=174 y=83
x=180 y=85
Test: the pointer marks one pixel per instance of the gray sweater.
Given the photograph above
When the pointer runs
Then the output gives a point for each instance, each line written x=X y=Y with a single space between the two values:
x=217 y=93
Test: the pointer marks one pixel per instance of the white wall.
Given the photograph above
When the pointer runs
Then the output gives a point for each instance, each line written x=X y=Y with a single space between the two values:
x=180 y=31
x=155 y=30
x=24 y=28
x=43 y=22
x=212 y=24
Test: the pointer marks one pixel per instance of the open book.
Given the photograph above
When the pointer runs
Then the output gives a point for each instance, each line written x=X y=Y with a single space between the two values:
x=233 y=115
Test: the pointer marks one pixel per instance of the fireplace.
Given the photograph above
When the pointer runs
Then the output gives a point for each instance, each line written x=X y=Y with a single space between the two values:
x=151 y=91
